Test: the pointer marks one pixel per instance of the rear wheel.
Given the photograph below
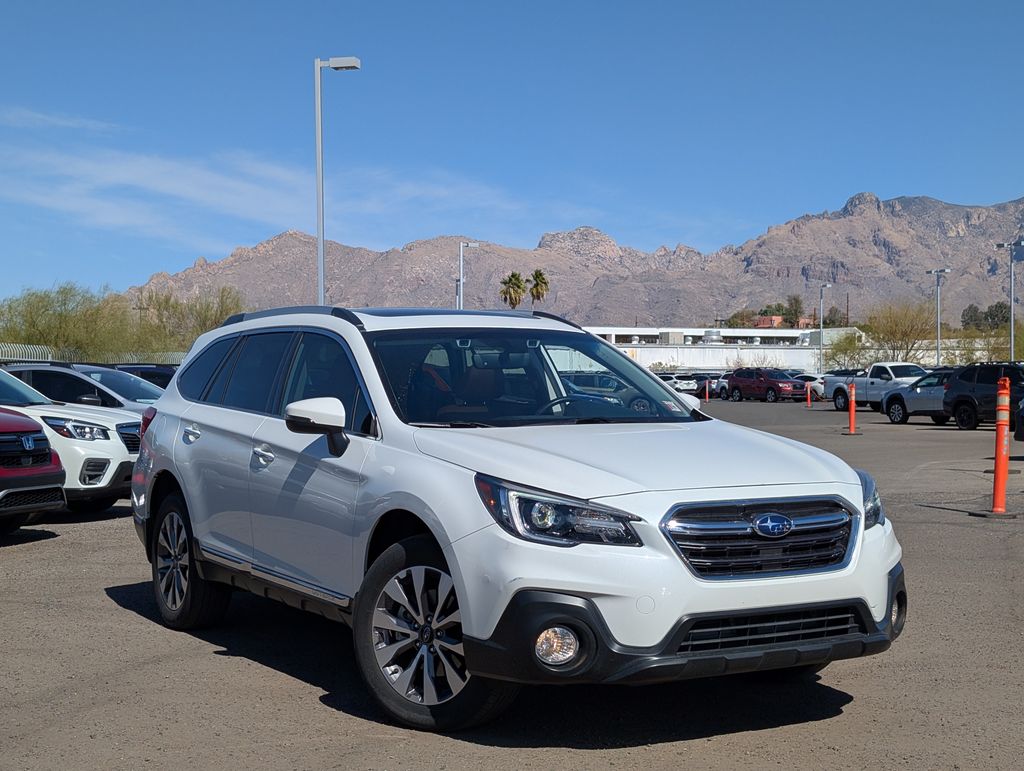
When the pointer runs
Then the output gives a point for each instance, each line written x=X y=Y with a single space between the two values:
x=185 y=599
x=737 y=395
x=723 y=394
x=407 y=629
x=897 y=411
x=966 y=417
x=841 y=401
x=940 y=420
x=771 y=395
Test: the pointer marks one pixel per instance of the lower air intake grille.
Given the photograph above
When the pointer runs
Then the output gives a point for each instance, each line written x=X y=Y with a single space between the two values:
x=24 y=498
x=770 y=629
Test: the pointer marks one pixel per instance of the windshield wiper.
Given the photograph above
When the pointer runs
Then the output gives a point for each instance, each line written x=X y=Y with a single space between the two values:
x=453 y=424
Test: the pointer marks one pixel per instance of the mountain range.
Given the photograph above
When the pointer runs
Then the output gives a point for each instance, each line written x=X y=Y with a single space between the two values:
x=871 y=251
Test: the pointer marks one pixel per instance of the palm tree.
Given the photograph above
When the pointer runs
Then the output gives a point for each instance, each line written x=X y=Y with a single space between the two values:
x=539 y=286
x=513 y=289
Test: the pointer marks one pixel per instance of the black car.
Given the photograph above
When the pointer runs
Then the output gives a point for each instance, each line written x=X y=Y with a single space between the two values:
x=157 y=374
x=971 y=392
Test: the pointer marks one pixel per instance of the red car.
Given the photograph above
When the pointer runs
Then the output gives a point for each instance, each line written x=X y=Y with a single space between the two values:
x=764 y=383
x=31 y=474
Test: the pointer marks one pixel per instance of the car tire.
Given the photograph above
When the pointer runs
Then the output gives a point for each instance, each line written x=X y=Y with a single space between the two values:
x=184 y=598
x=966 y=417
x=771 y=395
x=940 y=420
x=897 y=411
x=386 y=617
x=736 y=395
x=9 y=524
x=92 y=506
x=723 y=394
x=641 y=405
x=840 y=401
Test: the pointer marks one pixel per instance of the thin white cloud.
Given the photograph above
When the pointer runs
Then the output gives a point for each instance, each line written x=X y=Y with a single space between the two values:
x=22 y=117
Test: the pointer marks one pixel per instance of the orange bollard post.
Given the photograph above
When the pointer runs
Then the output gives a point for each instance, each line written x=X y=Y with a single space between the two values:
x=807 y=388
x=707 y=391
x=1002 y=463
x=852 y=431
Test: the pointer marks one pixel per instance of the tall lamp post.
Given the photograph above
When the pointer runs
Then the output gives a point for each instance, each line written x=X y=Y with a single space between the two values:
x=938 y=273
x=334 y=63
x=461 y=292
x=1011 y=245
x=821 y=326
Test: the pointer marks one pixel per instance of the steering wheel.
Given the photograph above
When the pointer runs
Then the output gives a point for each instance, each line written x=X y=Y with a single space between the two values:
x=561 y=400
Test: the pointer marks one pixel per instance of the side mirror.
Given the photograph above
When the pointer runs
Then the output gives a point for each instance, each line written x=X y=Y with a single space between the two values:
x=692 y=402
x=323 y=415
x=91 y=399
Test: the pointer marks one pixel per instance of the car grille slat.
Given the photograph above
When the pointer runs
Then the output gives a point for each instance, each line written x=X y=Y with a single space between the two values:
x=20 y=498
x=760 y=630
x=14 y=455
x=720 y=541
x=129 y=433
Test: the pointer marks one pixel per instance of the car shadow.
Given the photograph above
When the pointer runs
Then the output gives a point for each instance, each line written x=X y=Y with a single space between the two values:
x=25 y=535
x=319 y=652
x=69 y=517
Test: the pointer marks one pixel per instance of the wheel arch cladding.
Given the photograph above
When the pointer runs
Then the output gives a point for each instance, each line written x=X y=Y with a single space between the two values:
x=394 y=526
x=164 y=484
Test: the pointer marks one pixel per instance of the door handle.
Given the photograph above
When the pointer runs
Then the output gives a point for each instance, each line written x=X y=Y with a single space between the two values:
x=191 y=433
x=263 y=455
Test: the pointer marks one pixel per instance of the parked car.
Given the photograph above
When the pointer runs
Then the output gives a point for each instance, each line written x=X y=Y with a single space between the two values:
x=88 y=384
x=721 y=385
x=794 y=373
x=604 y=383
x=679 y=381
x=970 y=395
x=815 y=382
x=31 y=475
x=924 y=396
x=871 y=383
x=157 y=374
x=98 y=446
x=486 y=528
x=764 y=383
x=701 y=378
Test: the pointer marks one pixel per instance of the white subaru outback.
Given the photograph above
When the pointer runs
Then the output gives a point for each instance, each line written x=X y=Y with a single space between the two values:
x=427 y=477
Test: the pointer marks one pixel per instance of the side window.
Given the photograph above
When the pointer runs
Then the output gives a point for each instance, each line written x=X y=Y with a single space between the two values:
x=967 y=375
x=988 y=375
x=255 y=370
x=1014 y=374
x=192 y=382
x=62 y=387
x=877 y=372
x=928 y=382
x=321 y=367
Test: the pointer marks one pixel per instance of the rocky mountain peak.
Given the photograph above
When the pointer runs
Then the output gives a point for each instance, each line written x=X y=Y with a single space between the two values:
x=584 y=241
x=862 y=203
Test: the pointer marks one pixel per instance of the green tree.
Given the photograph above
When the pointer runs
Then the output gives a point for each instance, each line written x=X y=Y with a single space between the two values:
x=773 y=309
x=742 y=318
x=513 y=289
x=539 y=286
x=794 y=310
x=972 y=317
x=997 y=315
x=847 y=352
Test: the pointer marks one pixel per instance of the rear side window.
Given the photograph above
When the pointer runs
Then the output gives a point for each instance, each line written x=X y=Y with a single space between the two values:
x=192 y=382
x=967 y=376
x=1013 y=374
x=65 y=387
x=988 y=375
x=255 y=371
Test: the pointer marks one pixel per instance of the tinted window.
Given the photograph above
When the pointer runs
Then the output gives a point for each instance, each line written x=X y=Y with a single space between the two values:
x=255 y=370
x=988 y=375
x=878 y=372
x=908 y=370
x=321 y=367
x=126 y=385
x=192 y=382
x=65 y=387
x=967 y=375
x=928 y=382
x=1014 y=374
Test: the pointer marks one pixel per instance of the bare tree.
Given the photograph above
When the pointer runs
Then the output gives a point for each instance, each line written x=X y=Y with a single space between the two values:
x=902 y=332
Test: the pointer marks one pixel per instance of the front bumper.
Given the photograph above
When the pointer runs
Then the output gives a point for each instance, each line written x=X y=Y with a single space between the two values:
x=32 y=493
x=115 y=482
x=508 y=653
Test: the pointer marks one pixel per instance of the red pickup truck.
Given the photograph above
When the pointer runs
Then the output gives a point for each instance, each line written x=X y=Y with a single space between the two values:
x=31 y=474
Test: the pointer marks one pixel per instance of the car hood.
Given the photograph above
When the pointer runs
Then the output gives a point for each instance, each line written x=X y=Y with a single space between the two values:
x=103 y=416
x=594 y=461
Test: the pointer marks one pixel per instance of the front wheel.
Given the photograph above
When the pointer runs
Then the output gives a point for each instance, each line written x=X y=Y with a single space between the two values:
x=897 y=411
x=840 y=401
x=407 y=629
x=737 y=395
x=771 y=395
x=966 y=417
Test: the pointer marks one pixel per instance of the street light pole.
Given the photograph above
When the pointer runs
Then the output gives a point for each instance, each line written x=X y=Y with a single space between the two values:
x=821 y=327
x=1010 y=246
x=334 y=63
x=461 y=293
x=938 y=273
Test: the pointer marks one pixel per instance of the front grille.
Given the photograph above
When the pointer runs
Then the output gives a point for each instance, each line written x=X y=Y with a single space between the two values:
x=14 y=455
x=25 y=459
x=129 y=433
x=24 y=498
x=771 y=629
x=720 y=541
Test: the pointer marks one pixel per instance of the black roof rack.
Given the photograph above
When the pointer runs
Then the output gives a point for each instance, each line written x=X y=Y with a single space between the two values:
x=36 y=362
x=555 y=317
x=324 y=310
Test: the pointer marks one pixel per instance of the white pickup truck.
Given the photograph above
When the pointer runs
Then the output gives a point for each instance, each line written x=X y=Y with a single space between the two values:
x=871 y=383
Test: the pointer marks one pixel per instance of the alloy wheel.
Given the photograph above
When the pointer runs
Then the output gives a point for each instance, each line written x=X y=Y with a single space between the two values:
x=896 y=412
x=417 y=636
x=173 y=560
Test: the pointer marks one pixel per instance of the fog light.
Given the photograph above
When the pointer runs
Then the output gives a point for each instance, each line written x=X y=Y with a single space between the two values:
x=557 y=645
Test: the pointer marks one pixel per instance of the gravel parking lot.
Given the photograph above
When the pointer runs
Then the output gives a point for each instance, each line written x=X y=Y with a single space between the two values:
x=89 y=678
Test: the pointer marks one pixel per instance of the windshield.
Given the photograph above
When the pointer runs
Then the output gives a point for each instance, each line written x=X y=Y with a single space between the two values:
x=126 y=385
x=907 y=370
x=498 y=377
x=14 y=393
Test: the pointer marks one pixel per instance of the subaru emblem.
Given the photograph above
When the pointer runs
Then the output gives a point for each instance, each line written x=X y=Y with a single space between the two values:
x=773 y=525
x=29 y=443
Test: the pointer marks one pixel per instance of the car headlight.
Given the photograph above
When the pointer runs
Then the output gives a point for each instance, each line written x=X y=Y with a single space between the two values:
x=874 y=514
x=554 y=519
x=76 y=429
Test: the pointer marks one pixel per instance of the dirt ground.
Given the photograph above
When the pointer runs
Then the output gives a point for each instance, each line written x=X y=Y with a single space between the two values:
x=90 y=679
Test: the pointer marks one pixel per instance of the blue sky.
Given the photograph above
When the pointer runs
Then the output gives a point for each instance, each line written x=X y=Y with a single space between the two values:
x=137 y=136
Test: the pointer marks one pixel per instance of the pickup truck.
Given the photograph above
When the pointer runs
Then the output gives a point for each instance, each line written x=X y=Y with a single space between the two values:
x=871 y=382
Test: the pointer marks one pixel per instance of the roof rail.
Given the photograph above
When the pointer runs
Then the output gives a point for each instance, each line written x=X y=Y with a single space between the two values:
x=37 y=362
x=555 y=317
x=324 y=310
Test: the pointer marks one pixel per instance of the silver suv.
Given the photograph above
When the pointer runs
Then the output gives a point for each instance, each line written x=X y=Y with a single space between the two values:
x=428 y=477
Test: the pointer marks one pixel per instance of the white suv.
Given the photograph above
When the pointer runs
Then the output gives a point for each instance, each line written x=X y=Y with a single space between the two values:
x=426 y=477
x=97 y=445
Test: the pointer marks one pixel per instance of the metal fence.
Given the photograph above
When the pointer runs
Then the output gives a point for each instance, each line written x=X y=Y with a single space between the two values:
x=21 y=352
